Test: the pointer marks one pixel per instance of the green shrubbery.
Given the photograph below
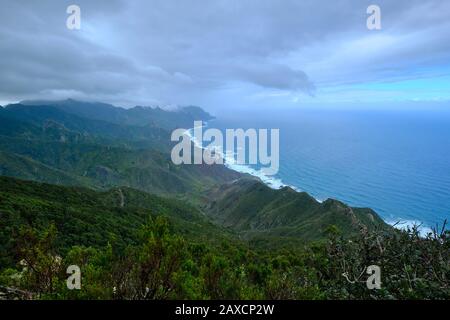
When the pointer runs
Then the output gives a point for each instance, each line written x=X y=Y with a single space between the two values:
x=165 y=265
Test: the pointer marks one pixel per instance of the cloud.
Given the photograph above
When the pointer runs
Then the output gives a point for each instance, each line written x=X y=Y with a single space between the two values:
x=215 y=51
x=275 y=76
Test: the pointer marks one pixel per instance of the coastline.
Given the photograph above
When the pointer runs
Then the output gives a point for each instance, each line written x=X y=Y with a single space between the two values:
x=277 y=183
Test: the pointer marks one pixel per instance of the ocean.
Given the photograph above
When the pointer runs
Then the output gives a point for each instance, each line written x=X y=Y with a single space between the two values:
x=396 y=162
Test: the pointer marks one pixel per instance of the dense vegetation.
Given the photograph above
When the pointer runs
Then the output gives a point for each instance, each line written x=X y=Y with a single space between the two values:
x=259 y=212
x=131 y=245
x=89 y=218
x=45 y=143
x=106 y=197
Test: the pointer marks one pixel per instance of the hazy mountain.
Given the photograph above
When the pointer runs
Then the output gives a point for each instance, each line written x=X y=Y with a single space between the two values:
x=182 y=117
x=95 y=145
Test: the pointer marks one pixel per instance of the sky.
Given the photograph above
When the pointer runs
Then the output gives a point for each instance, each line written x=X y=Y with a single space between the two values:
x=226 y=53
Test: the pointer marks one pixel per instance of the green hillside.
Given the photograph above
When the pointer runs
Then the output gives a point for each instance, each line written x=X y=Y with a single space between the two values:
x=96 y=153
x=132 y=245
x=257 y=211
x=98 y=130
x=182 y=117
x=102 y=193
x=88 y=218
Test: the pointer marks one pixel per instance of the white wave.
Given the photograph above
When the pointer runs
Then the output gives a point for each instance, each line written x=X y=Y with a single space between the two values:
x=403 y=224
x=230 y=162
x=276 y=183
x=272 y=182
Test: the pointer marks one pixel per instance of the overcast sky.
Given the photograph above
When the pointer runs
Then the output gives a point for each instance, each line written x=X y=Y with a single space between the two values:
x=225 y=53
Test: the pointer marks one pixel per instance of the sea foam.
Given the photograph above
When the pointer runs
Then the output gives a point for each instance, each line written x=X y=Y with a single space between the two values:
x=276 y=183
x=230 y=162
x=403 y=224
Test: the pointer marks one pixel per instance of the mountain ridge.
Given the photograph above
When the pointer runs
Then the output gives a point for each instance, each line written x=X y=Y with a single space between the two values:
x=61 y=144
x=183 y=116
x=254 y=209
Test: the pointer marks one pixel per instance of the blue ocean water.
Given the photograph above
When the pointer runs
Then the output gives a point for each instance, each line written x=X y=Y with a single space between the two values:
x=395 y=162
